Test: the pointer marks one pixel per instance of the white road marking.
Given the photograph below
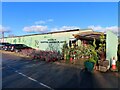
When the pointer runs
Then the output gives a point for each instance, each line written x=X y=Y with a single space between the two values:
x=30 y=78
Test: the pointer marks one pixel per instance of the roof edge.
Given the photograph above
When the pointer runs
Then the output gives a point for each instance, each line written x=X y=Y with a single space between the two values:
x=52 y=32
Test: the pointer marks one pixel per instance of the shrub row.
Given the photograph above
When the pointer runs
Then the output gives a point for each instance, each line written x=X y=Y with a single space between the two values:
x=42 y=55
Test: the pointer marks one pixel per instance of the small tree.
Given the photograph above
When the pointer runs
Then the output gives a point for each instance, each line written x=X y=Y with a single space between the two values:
x=102 y=43
x=102 y=47
x=65 y=50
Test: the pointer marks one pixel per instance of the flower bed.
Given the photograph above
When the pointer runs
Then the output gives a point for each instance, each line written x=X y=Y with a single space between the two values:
x=27 y=52
x=42 y=55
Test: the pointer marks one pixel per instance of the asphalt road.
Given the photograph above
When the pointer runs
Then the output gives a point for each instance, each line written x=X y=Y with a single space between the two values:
x=18 y=72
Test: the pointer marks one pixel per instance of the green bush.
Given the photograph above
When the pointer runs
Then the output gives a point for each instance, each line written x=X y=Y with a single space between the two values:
x=118 y=65
x=92 y=60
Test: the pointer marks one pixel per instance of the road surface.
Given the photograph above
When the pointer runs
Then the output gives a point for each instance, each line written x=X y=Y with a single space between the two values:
x=19 y=72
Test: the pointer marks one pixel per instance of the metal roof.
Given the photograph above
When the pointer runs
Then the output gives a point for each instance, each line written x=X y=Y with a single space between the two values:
x=52 y=32
x=88 y=35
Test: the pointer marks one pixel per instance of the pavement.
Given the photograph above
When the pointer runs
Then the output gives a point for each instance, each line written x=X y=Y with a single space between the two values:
x=22 y=72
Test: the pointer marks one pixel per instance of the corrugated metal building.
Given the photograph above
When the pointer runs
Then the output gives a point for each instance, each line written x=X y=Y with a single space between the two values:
x=46 y=41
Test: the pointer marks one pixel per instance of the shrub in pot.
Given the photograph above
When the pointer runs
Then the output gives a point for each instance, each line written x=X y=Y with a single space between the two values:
x=102 y=47
x=89 y=64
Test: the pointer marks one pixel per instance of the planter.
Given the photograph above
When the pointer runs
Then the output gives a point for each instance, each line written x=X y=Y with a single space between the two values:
x=89 y=66
x=103 y=69
x=103 y=63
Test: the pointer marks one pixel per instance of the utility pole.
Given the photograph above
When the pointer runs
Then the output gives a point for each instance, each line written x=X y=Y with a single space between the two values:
x=3 y=30
x=3 y=36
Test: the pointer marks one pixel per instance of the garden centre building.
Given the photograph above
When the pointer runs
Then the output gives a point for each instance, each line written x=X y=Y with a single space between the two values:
x=53 y=41
x=46 y=41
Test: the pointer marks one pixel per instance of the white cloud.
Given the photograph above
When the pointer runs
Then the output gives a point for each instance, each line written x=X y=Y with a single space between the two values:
x=63 y=28
x=40 y=22
x=4 y=29
x=99 y=28
x=113 y=28
x=36 y=28
x=50 y=20
x=96 y=28
x=43 y=21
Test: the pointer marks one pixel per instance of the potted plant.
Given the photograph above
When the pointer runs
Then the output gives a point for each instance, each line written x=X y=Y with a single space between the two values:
x=91 y=62
x=101 y=49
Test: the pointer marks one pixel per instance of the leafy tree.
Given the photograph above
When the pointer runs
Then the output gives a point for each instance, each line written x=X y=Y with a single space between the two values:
x=118 y=40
